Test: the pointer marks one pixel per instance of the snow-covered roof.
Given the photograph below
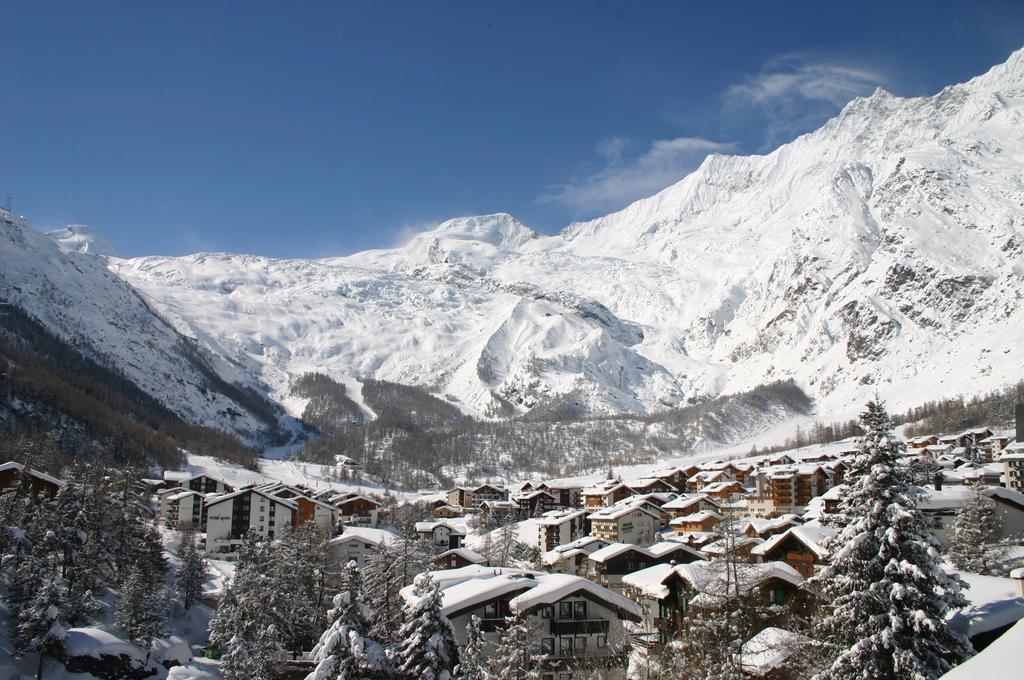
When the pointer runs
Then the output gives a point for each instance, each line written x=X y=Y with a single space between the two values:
x=551 y=588
x=769 y=649
x=585 y=545
x=684 y=502
x=556 y=517
x=812 y=537
x=994 y=603
x=618 y=511
x=710 y=579
x=722 y=546
x=701 y=516
x=995 y=660
x=656 y=551
x=94 y=641
x=614 y=550
x=650 y=581
x=32 y=472
x=220 y=498
x=377 y=537
x=761 y=525
x=470 y=556
x=428 y=527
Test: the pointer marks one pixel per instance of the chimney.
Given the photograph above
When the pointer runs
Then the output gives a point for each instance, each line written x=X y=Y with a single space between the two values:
x=1020 y=421
x=1018 y=574
x=938 y=481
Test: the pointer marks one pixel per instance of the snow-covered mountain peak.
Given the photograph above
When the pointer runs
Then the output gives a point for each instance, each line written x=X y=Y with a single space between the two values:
x=881 y=252
x=81 y=238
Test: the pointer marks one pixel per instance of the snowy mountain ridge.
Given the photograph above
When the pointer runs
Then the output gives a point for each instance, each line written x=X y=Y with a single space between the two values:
x=879 y=253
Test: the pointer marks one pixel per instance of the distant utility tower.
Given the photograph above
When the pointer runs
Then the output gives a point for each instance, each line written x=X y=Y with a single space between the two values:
x=7 y=202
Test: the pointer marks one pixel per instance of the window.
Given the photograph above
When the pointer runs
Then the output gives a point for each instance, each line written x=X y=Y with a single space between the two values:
x=565 y=646
x=565 y=676
x=579 y=610
x=491 y=610
x=581 y=645
x=565 y=610
x=547 y=612
x=547 y=645
x=602 y=641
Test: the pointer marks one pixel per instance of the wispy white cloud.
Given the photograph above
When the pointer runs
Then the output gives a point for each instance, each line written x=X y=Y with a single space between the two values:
x=625 y=177
x=795 y=95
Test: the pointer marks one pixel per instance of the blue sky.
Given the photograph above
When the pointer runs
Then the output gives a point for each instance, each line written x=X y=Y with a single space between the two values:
x=314 y=129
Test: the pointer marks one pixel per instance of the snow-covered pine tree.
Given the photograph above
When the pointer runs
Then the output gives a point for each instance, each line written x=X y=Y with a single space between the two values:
x=142 y=608
x=975 y=546
x=381 y=586
x=244 y=617
x=515 y=656
x=191 y=574
x=428 y=650
x=345 y=652
x=34 y=569
x=472 y=664
x=41 y=627
x=886 y=597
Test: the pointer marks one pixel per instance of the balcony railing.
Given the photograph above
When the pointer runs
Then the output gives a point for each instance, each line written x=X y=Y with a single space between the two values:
x=579 y=627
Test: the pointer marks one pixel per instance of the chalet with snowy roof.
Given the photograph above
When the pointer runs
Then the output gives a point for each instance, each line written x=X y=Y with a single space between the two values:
x=724 y=492
x=567 y=492
x=626 y=524
x=445 y=511
x=181 y=509
x=669 y=594
x=606 y=494
x=355 y=509
x=703 y=521
x=697 y=482
x=559 y=527
x=441 y=534
x=571 y=558
x=610 y=564
x=202 y=483
x=358 y=544
x=39 y=484
x=230 y=516
x=732 y=546
x=922 y=442
x=687 y=505
x=578 y=624
x=675 y=476
x=458 y=558
x=499 y=511
x=768 y=527
x=803 y=548
x=651 y=485
x=534 y=503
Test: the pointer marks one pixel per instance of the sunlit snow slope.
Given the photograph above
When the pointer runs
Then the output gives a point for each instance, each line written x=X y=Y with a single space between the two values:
x=882 y=252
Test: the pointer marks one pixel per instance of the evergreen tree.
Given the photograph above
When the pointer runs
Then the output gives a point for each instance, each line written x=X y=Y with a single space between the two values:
x=244 y=628
x=345 y=652
x=142 y=609
x=428 y=650
x=41 y=627
x=515 y=657
x=33 y=570
x=975 y=546
x=887 y=597
x=472 y=664
x=191 y=575
x=382 y=583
